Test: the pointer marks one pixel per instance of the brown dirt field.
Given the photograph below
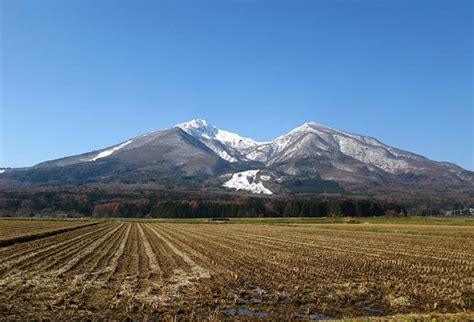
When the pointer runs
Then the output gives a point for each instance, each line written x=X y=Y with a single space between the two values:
x=11 y=228
x=433 y=230
x=118 y=270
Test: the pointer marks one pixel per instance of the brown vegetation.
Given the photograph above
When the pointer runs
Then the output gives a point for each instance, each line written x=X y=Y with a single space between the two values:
x=153 y=271
x=23 y=230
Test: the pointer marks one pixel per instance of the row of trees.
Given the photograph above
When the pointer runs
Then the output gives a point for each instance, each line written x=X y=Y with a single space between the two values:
x=272 y=208
x=140 y=204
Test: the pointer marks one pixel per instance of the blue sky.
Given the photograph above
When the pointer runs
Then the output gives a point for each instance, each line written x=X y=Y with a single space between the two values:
x=82 y=75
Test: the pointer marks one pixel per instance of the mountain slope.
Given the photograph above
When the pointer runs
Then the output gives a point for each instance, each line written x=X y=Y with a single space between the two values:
x=169 y=153
x=229 y=146
x=346 y=157
x=172 y=148
x=312 y=154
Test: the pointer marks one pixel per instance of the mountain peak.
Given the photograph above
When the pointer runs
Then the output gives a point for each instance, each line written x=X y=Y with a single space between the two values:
x=198 y=125
x=218 y=140
x=307 y=127
x=315 y=125
x=195 y=123
x=199 y=128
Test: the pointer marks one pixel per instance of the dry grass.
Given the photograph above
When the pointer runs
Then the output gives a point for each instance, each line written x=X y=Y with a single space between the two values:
x=172 y=271
x=12 y=229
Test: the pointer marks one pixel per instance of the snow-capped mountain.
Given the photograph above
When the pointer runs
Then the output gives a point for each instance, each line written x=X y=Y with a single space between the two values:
x=311 y=154
x=229 y=146
x=313 y=139
x=333 y=154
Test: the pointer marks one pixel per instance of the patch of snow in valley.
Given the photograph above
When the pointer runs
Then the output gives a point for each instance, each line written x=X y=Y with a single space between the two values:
x=247 y=180
x=2 y=171
x=109 y=152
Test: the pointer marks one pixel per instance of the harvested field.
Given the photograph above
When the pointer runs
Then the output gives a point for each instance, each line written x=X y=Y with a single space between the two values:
x=431 y=230
x=12 y=230
x=156 y=270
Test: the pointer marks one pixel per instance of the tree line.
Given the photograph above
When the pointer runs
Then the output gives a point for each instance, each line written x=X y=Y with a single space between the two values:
x=163 y=204
x=273 y=208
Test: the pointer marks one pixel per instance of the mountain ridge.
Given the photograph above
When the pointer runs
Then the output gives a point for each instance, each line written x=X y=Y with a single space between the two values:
x=196 y=148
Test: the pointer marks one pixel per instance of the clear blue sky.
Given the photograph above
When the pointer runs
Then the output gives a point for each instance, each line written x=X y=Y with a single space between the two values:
x=82 y=75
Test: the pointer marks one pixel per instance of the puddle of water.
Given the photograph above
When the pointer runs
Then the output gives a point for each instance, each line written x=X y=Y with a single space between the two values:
x=256 y=301
x=252 y=295
x=313 y=316
x=245 y=312
x=373 y=310
x=256 y=289
x=259 y=290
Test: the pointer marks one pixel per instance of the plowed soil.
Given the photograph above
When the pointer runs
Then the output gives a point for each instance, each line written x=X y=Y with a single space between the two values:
x=117 y=270
x=11 y=228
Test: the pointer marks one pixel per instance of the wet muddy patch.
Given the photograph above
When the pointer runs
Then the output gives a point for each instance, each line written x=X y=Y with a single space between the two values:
x=248 y=294
x=372 y=310
x=245 y=312
x=314 y=316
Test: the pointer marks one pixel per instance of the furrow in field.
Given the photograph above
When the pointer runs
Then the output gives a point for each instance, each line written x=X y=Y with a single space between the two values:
x=145 y=285
x=231 y=258
x=130 y=270
x=64 y=254
x=396 y=241
x=26 y=250
x=80 y=280
x=419 y=260
x=51 y=277
x=418 y=256
x=107 y=273
x=22 y=238
x=167 y=260
x=182 y=276
x=302 y=253
x=152 y=260
x=123 y=280
x=196 y=270
x=50 y=255
x=17 y=230
x=130 y=285
x=98 y=292
x=385 y=274
x=182 y=265
x=361 y=246
x=85 y=253
x=195 y=256
x=278 y=256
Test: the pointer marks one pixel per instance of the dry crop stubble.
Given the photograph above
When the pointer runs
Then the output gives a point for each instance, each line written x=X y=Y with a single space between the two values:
x=155 y=270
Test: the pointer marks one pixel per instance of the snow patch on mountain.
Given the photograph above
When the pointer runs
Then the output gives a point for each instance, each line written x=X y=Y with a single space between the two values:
x=248 y=181
x=365 y=149
x=109 y=152
x=225 y=144
x=223 y=154
x=375 y=155
x=2 y=171
x=309 y=139
x=313 y=140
